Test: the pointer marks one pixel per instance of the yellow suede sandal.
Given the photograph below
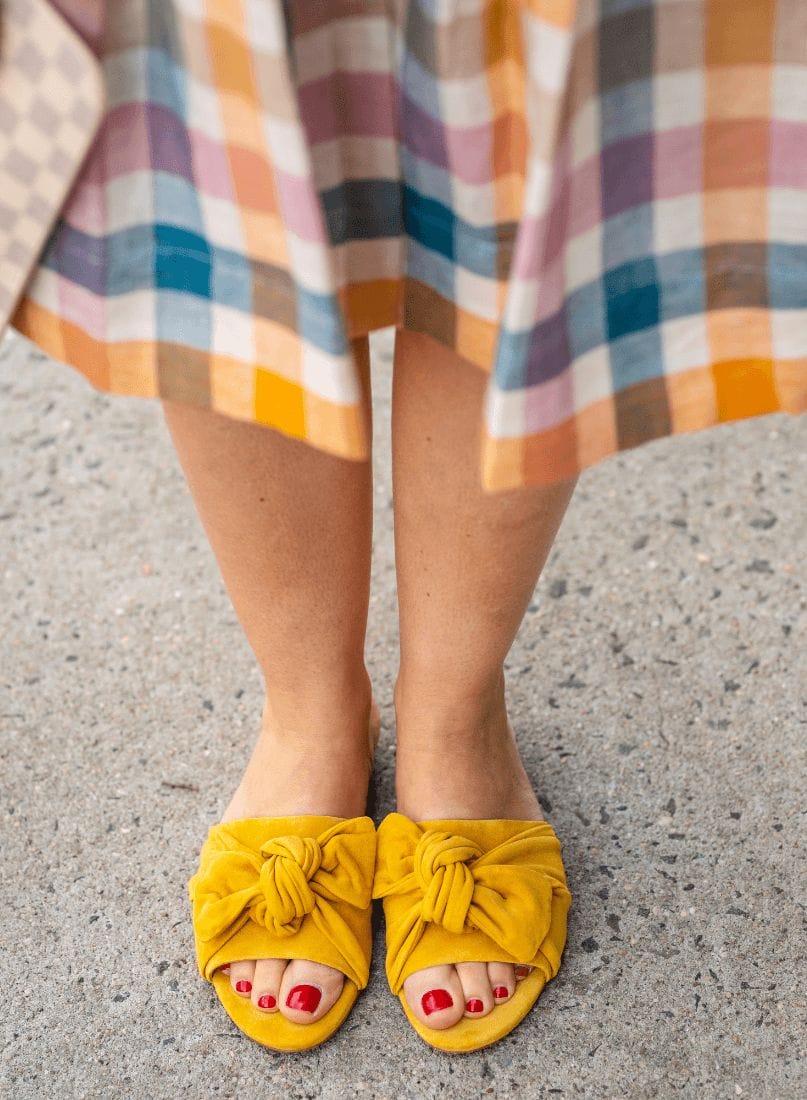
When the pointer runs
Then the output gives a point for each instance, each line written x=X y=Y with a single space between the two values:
x=286 y=888
x=472 y=891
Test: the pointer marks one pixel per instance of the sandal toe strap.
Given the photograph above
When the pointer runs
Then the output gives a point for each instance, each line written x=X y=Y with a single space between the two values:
x=295 y=887
x=458 y=891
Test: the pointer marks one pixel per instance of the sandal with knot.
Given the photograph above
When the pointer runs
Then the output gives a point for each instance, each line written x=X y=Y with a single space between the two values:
x=286 y=888
x=472 y=891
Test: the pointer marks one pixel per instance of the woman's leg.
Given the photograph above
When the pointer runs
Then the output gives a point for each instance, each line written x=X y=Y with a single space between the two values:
x=291 y=529
x=467 y=563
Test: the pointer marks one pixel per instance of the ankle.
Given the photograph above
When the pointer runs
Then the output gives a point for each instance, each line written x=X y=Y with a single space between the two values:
x=305 y=712
x=445 y=707
x=313 y=759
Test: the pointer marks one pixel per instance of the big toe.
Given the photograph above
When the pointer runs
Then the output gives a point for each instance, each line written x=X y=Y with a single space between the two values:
x=435 y=996
x=308 y=990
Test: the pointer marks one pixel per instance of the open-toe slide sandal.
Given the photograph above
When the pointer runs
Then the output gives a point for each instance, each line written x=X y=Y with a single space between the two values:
x=472 y=891
x=285 y=888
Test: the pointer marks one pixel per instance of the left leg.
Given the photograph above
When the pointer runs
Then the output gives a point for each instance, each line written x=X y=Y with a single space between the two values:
x=467 y=563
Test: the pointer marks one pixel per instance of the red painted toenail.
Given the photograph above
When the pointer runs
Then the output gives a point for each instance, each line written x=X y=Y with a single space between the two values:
x=266 y=1001
x=474 y=1005
x=304 y=998
x=225 y=969
x=522 y=971
x=500 y=992
x=243 y=986
x=436 y=1000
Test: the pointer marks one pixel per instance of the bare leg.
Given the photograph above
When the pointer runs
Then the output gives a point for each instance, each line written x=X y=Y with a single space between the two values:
x=467 y=564
x=291 y=529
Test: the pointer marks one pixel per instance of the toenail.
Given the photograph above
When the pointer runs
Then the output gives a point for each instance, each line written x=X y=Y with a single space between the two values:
x=474 y=1005
x=225 y=969
x=500 y=992
x=304 y=998
x=266 y=1001
x=436 y=1000
x=243 y=986
x=522 y=971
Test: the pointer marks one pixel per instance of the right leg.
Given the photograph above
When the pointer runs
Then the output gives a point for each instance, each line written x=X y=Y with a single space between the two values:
x=291 y=529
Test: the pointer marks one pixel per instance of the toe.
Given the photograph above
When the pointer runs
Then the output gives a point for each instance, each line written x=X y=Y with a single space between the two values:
x=308 y=990
x=435 y=996
x=502 y=981
x=266 y=983
x=522 y=972
x=241 y=976
x=476 y=989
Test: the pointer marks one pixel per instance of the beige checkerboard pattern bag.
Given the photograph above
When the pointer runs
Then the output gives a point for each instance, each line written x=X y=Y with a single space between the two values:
x=51 y=103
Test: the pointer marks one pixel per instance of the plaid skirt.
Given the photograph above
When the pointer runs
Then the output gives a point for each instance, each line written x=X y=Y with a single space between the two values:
x=600 y=203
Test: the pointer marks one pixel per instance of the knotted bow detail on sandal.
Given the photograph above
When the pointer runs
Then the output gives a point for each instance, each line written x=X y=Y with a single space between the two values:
x=282 y=884
x=497 y=885
x=444 y=878
x=273 y=886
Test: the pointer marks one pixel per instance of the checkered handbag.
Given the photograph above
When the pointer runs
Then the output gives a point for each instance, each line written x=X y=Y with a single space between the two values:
x=51 y=104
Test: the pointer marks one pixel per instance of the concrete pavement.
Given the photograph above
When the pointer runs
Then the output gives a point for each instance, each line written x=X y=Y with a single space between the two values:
x=658 y=686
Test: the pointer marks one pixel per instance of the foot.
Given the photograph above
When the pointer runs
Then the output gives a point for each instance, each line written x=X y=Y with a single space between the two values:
x=300 y=772
x=459 y=759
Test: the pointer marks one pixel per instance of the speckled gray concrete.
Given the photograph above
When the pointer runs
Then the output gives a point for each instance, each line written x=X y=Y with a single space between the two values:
x=658 y=687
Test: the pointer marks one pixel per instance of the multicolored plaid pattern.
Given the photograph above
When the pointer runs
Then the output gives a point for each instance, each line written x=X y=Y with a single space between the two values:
x=602 y=203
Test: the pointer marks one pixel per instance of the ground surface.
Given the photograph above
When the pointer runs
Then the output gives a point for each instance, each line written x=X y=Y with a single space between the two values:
x=658 y=686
